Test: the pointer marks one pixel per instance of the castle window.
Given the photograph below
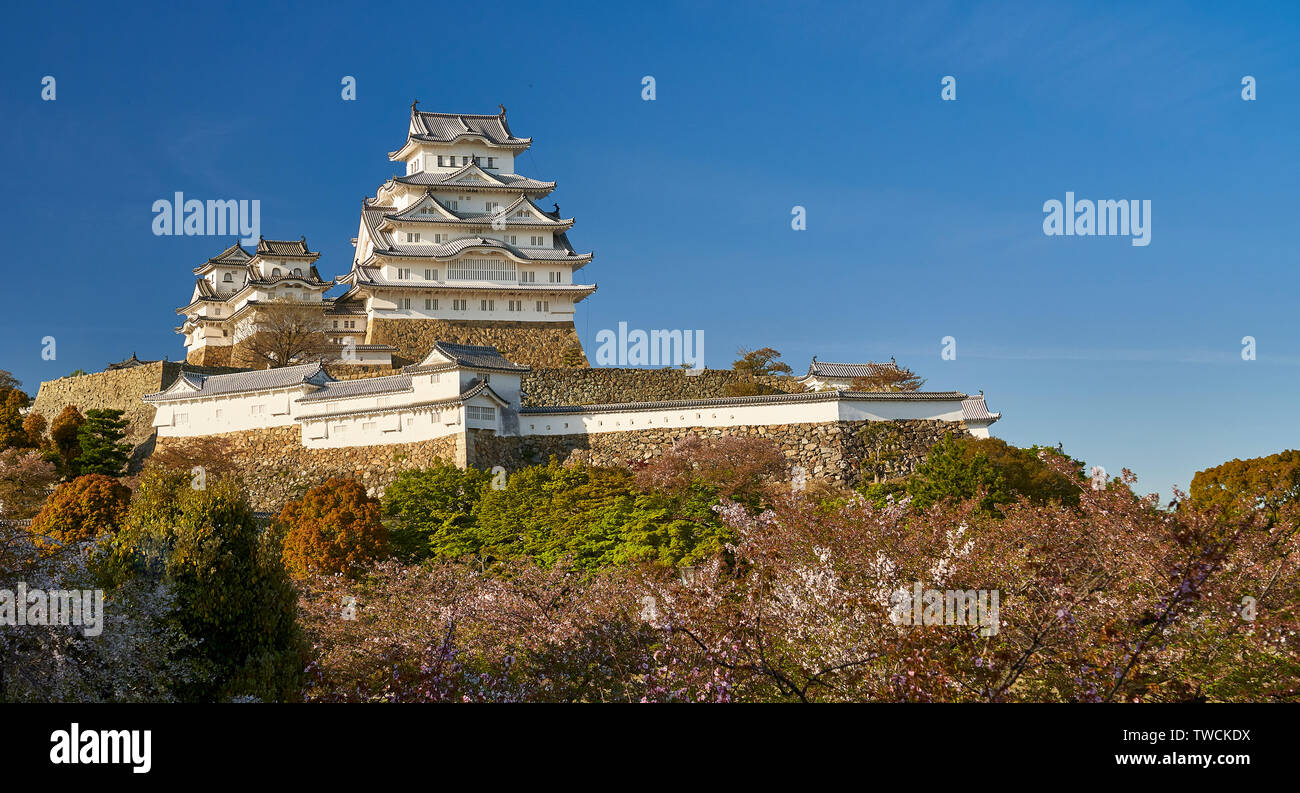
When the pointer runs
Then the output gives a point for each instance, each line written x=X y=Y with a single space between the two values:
x=229 y=278
x=431 y=304
x=405 y=302
x=336 y=324
x=527 y=277
x=275 y=272
x=538 y=241
x=477 y=413
x=403 y=273
x=460 y=305
x=543 y=305
x=487 y=305
x=412 y=236
x=431 y=275
x=511 y=239
x=516 y=305
x=182 y=419
x=491 y=162
x=297 y=271
x=464 y=160
x=257 y=410
x=440 y=161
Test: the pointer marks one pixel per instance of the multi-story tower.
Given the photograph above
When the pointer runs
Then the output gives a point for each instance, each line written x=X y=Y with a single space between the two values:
x=231 y=286
x=458 y=250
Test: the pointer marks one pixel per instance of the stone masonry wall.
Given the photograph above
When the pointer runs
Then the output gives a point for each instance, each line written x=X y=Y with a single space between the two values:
x=600 y=386
x=843 y=452
x=530 y=343
x=276 y=468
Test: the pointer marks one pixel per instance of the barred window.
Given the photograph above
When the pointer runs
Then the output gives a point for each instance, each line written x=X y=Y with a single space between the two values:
x=477 y=413
x=481 y=270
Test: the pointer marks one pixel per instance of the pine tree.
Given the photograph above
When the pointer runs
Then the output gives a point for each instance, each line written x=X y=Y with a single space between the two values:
x=102 y=449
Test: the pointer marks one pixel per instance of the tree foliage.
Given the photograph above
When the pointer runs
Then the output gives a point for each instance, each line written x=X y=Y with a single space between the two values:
x=334 y=528
x=889 y=378
x=64 y=436
x=88 y=508
x=25 y=479
x=433 y=511
x=761 y=362
x=100 y=437
x=959 y=469
x=1264 y=483
x=284 y=332
x=12 y=404
x=232 y=593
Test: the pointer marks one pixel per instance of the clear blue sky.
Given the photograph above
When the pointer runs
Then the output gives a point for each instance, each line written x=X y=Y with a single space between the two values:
x=924 y=216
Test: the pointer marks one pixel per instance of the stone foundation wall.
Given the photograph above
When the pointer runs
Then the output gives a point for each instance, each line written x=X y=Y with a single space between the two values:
x=601 y=386
x=842 y=452
x=120 y=389
x=210 y=355
x=530 y=343
x=277 y=468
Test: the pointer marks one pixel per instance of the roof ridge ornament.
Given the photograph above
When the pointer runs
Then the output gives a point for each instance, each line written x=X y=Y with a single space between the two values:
x=503 y=108
x=415 y=103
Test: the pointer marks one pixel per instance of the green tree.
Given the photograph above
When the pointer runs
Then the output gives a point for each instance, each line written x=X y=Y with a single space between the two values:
x=100 y=438
x=231 y=590
x=432 y=511
x=958 y=468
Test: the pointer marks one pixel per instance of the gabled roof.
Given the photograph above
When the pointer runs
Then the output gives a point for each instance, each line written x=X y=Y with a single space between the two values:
x=477 y=387
x=234 y=256
x=292 y=248
x=129 y=363
x=445 y=214
x=973 y=409
x=451 y=127
x=467 y=356
x=190 y=385
x=473 y=177
x=848 y=370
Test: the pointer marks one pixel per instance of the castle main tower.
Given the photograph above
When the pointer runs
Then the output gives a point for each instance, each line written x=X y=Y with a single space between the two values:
x=457 y=248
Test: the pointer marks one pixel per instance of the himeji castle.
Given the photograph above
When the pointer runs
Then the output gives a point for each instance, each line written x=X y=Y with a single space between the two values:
x=454 y=248
x=461 y=294
x=460 y=239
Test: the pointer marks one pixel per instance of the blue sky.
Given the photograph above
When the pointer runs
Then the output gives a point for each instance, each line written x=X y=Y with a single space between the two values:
x=924 y=217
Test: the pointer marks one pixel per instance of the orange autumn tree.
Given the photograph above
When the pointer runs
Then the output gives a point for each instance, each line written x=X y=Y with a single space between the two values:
x=85 y=509
x=335 y=528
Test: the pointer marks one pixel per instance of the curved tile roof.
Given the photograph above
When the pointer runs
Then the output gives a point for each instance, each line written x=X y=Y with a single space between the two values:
x=258 y=380
x=768 y=399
